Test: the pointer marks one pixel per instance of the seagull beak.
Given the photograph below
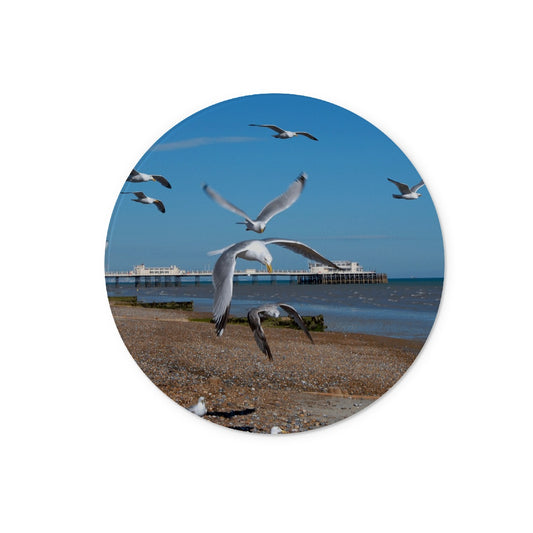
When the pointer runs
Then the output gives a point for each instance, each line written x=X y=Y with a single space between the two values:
x=269 y=267
x=263 y=230
x=153 y=179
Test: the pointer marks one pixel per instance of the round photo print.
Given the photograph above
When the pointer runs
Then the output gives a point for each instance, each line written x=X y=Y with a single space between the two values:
x=274 y=263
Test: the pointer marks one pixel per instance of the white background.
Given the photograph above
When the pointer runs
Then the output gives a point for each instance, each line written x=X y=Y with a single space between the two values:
x=89 y=444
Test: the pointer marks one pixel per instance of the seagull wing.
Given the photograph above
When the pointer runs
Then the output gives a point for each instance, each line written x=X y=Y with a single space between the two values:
x=163 y=181
x=224 y=203
x=259 y=335
x=298 y=319
x=140 y=195
x=285 y=200
x=223 y=283
x=302 y=249
x=133 y=173
x=415 y=188
x=306 y=135
x=159 y=205
x=221 y=251
x=271 y=126
x=404 y=189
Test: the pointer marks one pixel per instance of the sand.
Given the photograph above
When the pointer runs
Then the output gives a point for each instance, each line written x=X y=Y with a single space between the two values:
x=306 y=386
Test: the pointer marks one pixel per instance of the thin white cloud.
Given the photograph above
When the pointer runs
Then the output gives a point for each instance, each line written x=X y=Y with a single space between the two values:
x=201 y=141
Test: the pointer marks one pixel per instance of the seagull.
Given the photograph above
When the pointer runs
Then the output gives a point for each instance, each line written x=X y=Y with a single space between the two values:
x=257 y=314
x=143 y=199
x=284 y=134
x=253 y=250
x=138 y=177
x=279 y=204
x=276 y=430
x=407 y=193
x=199 y=408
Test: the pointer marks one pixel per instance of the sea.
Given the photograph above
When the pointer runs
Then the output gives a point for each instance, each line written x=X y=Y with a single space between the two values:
x=402 y=308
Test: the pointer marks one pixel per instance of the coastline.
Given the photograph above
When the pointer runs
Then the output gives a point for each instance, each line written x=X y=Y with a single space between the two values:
x=305 y=386
x=404 y=310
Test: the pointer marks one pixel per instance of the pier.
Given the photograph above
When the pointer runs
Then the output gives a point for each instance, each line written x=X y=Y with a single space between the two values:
x=343 y=278
x=172 y=276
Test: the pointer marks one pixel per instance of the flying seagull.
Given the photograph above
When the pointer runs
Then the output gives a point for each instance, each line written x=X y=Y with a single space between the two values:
x=284 y=134
x=199 y=408
x=407 y=193
x=143 y=199
x=279 y=204
x=253 y=250
x=141 y=177
x=257 y=314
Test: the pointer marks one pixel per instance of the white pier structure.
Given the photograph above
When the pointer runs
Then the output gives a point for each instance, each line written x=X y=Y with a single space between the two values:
x=348 y=267
x=317 y=274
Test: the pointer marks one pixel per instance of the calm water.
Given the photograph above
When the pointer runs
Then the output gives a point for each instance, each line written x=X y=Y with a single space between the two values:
x=402 y=308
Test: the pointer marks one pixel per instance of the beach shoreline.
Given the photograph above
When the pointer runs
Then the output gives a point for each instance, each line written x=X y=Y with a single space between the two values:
x=405 y=309
x=306 y=385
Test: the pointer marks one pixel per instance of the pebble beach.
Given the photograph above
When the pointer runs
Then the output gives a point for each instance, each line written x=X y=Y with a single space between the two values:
x=306 y=386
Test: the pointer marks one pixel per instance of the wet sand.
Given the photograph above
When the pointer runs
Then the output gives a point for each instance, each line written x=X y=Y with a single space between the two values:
x=306 y=385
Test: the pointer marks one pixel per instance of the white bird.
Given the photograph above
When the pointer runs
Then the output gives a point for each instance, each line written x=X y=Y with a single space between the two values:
x=199 y=408
x=143 y=199
x=257 y=314
x=408 y=193
x=279 y=204
x=254 y=250
x=276 y=430
x=284 y=134
x=141 y=177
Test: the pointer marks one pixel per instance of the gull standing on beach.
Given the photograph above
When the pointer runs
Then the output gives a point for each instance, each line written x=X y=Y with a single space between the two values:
x=254 y=250
x=279 y=204
x=141 y=177
x=257 y=314
x=284 y=134
x=143 y=199
x=198 y=408
x=408 y=193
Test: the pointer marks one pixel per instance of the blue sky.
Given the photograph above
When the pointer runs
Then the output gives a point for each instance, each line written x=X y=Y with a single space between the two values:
x=346 y=210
